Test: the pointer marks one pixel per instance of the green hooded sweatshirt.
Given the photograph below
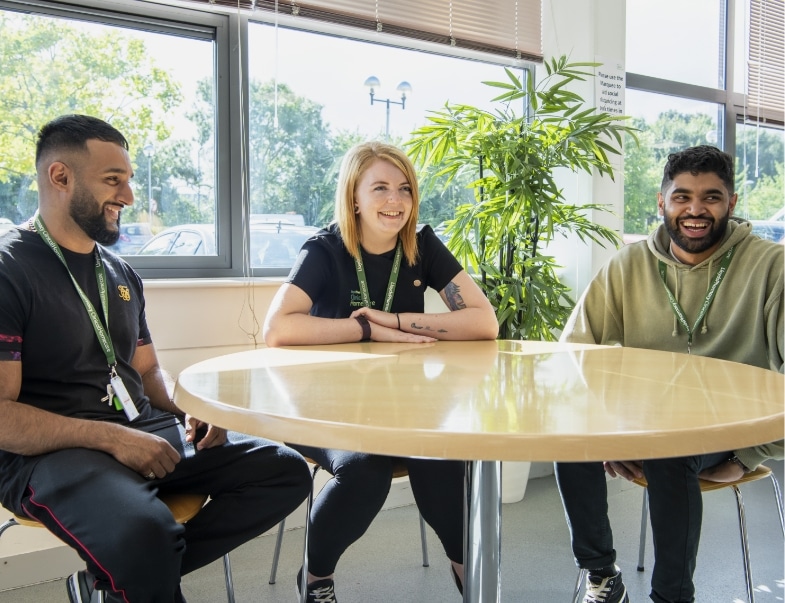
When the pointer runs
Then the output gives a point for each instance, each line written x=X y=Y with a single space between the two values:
x=626 y=304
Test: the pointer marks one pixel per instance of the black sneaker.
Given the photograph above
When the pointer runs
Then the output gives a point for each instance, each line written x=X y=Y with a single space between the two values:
x=321 y=591
x=602 y=589
x=81 y=588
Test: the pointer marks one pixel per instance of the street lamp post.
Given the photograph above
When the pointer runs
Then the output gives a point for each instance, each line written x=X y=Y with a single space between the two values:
x=149 y=151
x=372 y=83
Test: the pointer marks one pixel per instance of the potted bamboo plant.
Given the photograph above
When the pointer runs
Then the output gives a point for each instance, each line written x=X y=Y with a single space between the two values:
x=518 y=207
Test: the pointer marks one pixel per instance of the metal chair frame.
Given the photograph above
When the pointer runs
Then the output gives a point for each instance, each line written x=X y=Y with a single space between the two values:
x=762 y=472
x=183 y=508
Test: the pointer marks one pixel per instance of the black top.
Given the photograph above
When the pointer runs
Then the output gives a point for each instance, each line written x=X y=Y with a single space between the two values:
x=326 y=272
x=44 y=324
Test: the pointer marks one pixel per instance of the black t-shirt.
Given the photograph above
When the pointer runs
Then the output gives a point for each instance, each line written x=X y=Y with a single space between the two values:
x=44 y=324
x=326 y=272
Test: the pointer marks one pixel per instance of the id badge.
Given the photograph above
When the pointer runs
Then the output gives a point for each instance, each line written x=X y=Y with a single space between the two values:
x=125 y=400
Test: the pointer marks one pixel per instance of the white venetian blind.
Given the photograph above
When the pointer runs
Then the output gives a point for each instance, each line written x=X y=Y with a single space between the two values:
x=766 y=63
x=510 y=28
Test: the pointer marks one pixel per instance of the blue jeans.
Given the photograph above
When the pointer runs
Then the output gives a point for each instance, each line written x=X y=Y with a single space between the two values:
x=675 y=511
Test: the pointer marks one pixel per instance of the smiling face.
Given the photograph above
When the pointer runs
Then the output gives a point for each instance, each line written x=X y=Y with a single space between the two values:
x=696 y=208
x=383 y=204
x=101 y=190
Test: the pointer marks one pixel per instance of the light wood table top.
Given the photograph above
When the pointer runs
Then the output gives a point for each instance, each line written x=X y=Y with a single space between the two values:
x=489 y=400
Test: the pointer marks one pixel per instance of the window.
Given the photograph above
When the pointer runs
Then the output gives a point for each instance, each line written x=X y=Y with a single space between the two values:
x=759 y=173
x=234 y=121
x=308 y=105
x=661 y=35
x=152 y=76
x=708 y=99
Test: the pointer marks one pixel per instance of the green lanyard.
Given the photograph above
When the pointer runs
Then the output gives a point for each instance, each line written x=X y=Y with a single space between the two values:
x=677 y=310
x=104 y=338
x=396 y=268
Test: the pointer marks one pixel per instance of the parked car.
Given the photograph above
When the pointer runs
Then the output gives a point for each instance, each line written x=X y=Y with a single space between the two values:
x=773 y=230
x=132 y=237
x=273 y=244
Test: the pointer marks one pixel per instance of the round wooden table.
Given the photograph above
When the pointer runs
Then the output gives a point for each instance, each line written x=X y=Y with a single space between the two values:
x=488 y=401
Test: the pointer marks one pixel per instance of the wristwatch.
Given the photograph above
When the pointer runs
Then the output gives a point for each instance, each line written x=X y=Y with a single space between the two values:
x=365 y=326
x=735 y=459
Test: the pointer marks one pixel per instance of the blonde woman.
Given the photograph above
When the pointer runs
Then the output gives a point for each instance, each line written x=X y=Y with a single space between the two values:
x=364 y=278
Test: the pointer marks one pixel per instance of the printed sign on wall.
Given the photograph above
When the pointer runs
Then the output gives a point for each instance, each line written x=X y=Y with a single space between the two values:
x=609 y=86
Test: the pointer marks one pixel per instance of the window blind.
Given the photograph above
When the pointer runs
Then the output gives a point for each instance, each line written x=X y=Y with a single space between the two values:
x=766 y=62
x=511 y=28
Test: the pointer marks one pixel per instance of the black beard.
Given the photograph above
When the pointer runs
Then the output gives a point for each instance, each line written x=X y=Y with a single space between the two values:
x=89 y=216
x=689 y=245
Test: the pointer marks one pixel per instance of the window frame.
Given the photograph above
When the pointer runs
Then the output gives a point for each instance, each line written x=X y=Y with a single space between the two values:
x=734 y=103
x=230 y=36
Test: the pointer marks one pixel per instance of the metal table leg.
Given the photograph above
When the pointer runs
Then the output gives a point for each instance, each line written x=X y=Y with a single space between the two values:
x=482 y=533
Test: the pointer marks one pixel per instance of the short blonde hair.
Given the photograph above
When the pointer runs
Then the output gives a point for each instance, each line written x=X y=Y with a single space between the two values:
x=354 y=164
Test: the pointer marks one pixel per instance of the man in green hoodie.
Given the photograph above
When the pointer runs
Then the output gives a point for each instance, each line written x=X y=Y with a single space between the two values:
x=701 y=284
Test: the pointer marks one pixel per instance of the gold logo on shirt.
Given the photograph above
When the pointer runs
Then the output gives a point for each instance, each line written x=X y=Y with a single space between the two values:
x=125 y=294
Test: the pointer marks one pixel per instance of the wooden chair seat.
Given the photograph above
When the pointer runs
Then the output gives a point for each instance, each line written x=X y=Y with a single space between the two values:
x=183 y=508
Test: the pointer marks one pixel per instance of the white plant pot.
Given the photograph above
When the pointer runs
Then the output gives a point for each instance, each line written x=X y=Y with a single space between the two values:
x=515 y=476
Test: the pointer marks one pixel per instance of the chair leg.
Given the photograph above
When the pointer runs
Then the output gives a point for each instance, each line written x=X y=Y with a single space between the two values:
x=11 y=522
x=277 y=551
x=304 y=590
x=424 y=542
x=579 y=585
x=228 y=578
x=777 y=495
x=745 y=551
x=644 y=524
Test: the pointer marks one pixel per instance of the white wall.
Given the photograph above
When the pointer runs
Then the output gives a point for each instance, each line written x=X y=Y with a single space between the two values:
x=585 y=31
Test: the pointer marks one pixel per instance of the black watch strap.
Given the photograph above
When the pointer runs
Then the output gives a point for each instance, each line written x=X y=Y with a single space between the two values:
x=366 y=327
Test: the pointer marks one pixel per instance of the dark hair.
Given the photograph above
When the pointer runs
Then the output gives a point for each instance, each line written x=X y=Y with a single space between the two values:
x=702 y=159
x=72 y=132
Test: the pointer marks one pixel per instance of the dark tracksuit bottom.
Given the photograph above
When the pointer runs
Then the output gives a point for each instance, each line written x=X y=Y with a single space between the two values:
x=128 y=538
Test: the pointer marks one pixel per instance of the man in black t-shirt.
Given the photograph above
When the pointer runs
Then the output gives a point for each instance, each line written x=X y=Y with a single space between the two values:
x=88 y=433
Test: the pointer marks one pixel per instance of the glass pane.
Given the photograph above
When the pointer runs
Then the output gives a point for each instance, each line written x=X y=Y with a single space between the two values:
x=157 y=89
x=323 y=108
x=159 y=245
x=667 y=124
x=677 y=40
x=760 y=154
x=188 y=243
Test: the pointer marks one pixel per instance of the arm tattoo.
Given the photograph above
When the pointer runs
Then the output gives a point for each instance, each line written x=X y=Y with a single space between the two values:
x=453 y=294
x=414 y=325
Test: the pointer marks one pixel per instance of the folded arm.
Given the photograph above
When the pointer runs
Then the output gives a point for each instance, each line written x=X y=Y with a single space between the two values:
x=472 y=317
